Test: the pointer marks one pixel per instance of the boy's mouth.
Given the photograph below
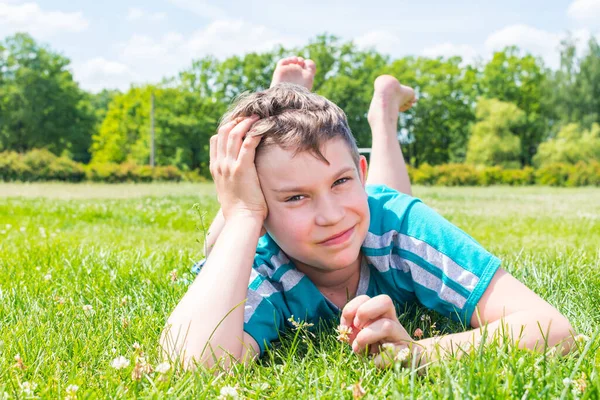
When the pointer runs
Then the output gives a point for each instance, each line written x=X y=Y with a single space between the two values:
x=338 y=238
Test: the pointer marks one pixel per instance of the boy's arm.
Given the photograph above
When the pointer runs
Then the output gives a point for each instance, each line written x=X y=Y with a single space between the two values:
x=508 y=309
x=220 y=289
x=213 y=232
x=202 y=328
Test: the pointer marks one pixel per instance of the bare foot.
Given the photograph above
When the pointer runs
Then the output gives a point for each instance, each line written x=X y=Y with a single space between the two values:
x=295 y=70
x=389 y=98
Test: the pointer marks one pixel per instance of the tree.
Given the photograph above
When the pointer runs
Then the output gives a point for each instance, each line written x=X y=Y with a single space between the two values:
x=572 y=144
x=184 y=123
x=493 y=139
x=40 y=103
x=439 y=122
x=576 y=85
x=520 y=80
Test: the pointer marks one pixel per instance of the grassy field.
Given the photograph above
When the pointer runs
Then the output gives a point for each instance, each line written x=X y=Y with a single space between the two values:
x=91 y=272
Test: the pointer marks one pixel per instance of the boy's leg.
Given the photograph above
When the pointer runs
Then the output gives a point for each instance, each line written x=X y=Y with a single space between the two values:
x=387 y=165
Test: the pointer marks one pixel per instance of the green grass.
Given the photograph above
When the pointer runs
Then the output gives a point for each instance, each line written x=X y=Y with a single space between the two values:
x=118 y=248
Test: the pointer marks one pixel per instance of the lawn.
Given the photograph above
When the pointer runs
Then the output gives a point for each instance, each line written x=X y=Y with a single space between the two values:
x=90 y=273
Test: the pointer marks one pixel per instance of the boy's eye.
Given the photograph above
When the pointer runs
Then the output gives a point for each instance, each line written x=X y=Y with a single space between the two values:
x=340 y=181
x=297 y=197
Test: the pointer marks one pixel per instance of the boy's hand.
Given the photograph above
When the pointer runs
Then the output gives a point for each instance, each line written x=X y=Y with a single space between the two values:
x=233 y=170
x=374 y=323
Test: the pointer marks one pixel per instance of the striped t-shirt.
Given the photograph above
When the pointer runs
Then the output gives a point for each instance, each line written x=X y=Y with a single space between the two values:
x=411 y=253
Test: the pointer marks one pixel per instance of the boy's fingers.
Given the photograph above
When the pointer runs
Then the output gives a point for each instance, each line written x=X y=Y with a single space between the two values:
x=248 y=150
x=384 y=330
x=378 y=307
x=222 y=136
x=349 y=310
x=236 y=135
x=213 y=148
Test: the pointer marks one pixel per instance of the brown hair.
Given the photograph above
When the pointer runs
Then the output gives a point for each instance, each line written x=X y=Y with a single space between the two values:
x=294 y=118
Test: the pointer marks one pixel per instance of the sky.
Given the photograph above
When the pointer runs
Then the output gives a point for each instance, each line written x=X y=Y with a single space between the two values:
x=113 y=44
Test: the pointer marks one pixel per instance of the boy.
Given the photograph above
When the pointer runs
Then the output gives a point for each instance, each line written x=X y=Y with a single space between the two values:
x=285 y=161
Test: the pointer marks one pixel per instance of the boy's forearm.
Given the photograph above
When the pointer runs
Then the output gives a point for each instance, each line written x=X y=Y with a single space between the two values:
x=531 y=331
x=221 y=286
x=213 y=232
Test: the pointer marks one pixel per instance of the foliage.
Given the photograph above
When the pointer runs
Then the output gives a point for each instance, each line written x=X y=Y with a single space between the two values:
x=572 y=145
x=42 y=107
x=493 y=140
x=40 y=103
x=41 y=165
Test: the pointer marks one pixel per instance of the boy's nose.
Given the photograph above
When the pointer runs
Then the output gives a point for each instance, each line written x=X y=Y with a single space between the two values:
x=329 y=212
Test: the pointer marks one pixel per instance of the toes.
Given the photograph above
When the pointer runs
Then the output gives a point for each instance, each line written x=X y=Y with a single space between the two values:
x=285 y=61
x=310 y=65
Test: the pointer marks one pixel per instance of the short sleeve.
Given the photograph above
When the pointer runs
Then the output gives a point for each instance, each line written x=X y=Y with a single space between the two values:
x=450 y=271
x=264 y=310
x=422 y=255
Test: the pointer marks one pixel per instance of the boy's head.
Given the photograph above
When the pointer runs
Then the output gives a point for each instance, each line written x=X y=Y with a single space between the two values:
x=293 y=118
x=311 y=174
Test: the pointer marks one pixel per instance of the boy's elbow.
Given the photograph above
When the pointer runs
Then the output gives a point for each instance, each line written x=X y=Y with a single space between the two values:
x=181 y=352
x=559 y=331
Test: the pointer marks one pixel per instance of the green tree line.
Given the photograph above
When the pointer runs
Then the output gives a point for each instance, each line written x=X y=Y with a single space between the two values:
x=509 y=111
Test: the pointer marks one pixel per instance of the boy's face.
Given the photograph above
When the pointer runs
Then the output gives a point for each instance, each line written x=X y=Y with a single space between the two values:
x=310 y=202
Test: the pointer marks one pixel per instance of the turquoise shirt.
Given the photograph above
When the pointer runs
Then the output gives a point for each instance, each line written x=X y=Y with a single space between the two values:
x=411 y=254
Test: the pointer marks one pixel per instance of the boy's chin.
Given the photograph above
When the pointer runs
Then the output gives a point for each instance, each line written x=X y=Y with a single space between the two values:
x=340 y=260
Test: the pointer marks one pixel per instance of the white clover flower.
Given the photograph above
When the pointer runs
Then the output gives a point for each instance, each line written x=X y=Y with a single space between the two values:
x=344 y=333
x=136 y=346
x=72 y=389
x=42 y=232
x=582 y=339
x=22 y=229
x=87 y=308
x=567 y=382
x=71 y=392
x=403 y=355
x=28 y=388
x=47 y=277
x=228 y=392
x=8 y=226
x=120 y=363
x=163 y=367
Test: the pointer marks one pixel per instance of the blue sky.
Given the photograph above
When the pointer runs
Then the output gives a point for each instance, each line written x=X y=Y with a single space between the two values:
x=115 y=43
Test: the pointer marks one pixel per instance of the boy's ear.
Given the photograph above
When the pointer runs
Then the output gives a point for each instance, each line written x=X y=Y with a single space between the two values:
x=362 y=169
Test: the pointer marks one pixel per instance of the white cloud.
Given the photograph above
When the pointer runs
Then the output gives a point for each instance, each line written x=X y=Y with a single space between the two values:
x=585 y=10
x=383 y=41
x=220 y=38
x=201 y=8
x=468 y=53
x=156 y=58
x=536 y=41
x=99 y=73
x=29 y=17
x=137 y=14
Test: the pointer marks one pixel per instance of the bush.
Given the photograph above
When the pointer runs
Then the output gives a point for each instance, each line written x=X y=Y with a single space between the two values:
x=584 y=174
x=491 y=176
x=64 y=169
x=457 y=175
x=518 y=177
x=424 y=175
x=12 y=167
x=42 y=165
x=168 y=173
x=554 y=174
